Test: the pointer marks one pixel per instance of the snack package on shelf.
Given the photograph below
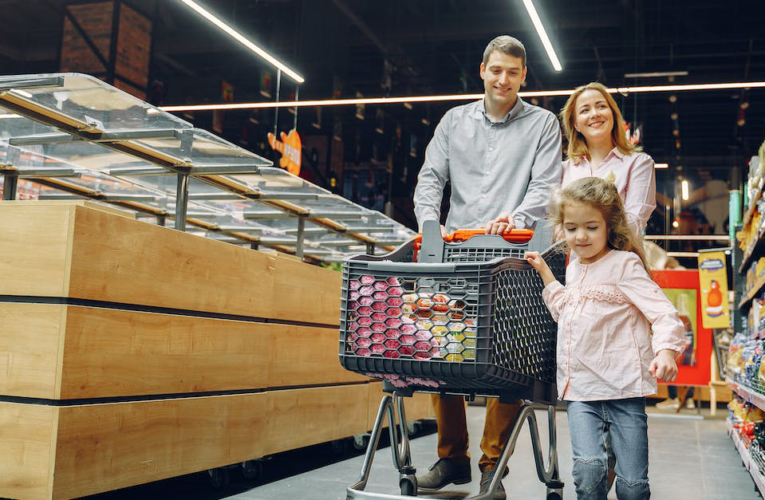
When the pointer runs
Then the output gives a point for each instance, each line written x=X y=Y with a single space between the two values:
x=758 y=434
x=751 y=357
x=751 y=277
x=734 y=408
x=741 y=412
x=734 y=353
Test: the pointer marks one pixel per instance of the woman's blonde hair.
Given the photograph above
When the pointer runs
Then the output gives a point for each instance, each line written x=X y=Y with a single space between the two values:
x=577 y=145
x=604 y=197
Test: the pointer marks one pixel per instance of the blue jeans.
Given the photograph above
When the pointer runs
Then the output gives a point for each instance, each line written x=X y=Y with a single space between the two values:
x=590 y=422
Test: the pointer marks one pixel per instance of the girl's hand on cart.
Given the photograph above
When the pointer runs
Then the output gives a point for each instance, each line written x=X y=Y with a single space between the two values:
x=444 y=234
x=538 y=263
x=663 y=366
x=501 y=224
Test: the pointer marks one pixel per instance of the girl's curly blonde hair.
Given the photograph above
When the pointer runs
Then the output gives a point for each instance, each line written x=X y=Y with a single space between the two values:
x=604 y=197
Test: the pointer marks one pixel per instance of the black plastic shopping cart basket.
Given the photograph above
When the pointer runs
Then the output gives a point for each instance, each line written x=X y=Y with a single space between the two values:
x=453 y=317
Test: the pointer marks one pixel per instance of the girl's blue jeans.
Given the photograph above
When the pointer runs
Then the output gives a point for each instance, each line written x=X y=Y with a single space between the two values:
x=590 y=422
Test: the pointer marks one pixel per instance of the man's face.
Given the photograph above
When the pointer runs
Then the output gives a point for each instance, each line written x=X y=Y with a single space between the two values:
x=502 y=76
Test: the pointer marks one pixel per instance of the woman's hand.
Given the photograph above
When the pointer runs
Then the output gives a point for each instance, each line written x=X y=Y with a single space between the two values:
x=501 y=224
x=663 y=366
x=538 y=263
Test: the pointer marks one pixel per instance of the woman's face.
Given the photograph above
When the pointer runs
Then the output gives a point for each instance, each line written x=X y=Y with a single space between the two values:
x=593 y=117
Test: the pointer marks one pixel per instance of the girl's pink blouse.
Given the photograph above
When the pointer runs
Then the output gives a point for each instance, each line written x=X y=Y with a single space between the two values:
x=612 y=319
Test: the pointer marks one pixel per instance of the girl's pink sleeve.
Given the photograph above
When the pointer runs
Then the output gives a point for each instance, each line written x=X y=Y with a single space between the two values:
x=646 y=295
x=553 y=297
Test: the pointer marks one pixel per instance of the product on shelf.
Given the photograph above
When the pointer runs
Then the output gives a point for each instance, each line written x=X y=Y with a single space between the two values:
x=742 y=412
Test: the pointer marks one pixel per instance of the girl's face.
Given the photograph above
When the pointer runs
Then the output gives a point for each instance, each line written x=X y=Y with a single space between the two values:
x=585 y=231
x=593 y=117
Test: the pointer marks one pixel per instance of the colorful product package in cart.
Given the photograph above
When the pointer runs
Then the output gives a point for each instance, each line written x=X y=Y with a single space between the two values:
x=386 y=321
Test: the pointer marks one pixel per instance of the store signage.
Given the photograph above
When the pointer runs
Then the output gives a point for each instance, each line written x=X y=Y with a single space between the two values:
x=290 y=147
x=713 y=280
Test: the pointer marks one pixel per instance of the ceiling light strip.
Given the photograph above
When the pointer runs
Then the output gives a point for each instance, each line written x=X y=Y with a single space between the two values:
x=241 y=39
x=542 y=34
x=452 y=97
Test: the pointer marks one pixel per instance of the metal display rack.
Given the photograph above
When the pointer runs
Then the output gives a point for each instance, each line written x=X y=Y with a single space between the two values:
x=79 y=137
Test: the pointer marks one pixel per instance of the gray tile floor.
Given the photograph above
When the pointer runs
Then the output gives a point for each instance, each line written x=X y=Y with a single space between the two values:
x=690 y=458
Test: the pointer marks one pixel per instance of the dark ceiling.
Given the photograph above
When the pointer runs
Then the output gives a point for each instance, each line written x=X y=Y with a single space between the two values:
x=435 y=47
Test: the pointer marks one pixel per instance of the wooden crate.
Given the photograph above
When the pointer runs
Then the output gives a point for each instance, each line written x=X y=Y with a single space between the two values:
x=77 y=251
x=100 y=309
x=98 y=448
x=54 y=351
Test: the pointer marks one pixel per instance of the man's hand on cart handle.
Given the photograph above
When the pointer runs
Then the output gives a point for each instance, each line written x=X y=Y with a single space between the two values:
x=501 y=224
x=538 y=263
x=663 y=366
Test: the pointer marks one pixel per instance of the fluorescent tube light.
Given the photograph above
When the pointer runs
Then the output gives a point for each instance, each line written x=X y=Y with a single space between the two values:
x=660 y=166
x=542 y=34
x=656 y=75
x=453 y=97
x=241 y=39
x=685 y=190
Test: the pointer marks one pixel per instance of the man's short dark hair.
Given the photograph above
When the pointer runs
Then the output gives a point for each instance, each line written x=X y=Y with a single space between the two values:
x=508 y=45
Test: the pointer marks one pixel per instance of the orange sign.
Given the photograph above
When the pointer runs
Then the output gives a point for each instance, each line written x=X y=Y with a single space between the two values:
x=291 y=149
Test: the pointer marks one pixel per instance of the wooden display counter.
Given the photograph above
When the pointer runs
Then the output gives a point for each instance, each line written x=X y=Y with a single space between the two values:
x=131 y=353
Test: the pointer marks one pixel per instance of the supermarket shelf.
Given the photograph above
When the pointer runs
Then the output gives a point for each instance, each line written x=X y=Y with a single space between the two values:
x=748 y=394
x=757 y=195
x=754 y=248
x=746 y=458
x=747 y=300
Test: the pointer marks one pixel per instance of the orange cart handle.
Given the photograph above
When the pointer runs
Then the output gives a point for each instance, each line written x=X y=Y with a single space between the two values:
x=512 y=236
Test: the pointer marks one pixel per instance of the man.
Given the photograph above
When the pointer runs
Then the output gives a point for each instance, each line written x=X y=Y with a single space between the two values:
x=503 y=159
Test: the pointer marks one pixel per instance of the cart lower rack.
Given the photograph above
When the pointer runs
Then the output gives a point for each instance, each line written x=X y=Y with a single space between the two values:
x=453 y=318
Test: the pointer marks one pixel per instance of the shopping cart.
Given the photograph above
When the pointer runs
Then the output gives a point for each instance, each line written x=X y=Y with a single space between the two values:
x=453 y=317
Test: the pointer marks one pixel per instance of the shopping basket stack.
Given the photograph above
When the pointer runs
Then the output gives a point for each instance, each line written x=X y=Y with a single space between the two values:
x=461 y=315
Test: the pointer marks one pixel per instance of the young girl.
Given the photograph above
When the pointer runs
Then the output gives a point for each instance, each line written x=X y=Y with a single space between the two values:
x=608 y=360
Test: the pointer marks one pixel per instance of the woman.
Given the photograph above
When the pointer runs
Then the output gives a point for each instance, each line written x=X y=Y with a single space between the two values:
x=598 y=147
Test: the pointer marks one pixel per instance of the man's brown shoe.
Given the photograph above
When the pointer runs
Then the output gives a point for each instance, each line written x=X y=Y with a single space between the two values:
x=445 y=471
x=486 y=481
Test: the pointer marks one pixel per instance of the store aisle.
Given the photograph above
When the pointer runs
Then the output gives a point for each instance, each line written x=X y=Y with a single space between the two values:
x=690 y=458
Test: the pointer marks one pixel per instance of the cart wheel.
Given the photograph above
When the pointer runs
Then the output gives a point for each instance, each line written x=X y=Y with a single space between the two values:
x=408 y=487
x=555 y=493
x=252 y=469
x=360 y=442
x=339 y=446
x=218 y=478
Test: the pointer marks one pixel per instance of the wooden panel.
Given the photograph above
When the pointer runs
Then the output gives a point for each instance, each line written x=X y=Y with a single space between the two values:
x=112 y=353
x=303 y=417
x=30 y=335
x=62 y=205
x=125 y=353
x=417 y=407
x=307 y=356
x=306 y=293
x=105 y=447
x=34 y=249
x=724 y=394
x=132 y=262
x=117 y=259
x=27 y=434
